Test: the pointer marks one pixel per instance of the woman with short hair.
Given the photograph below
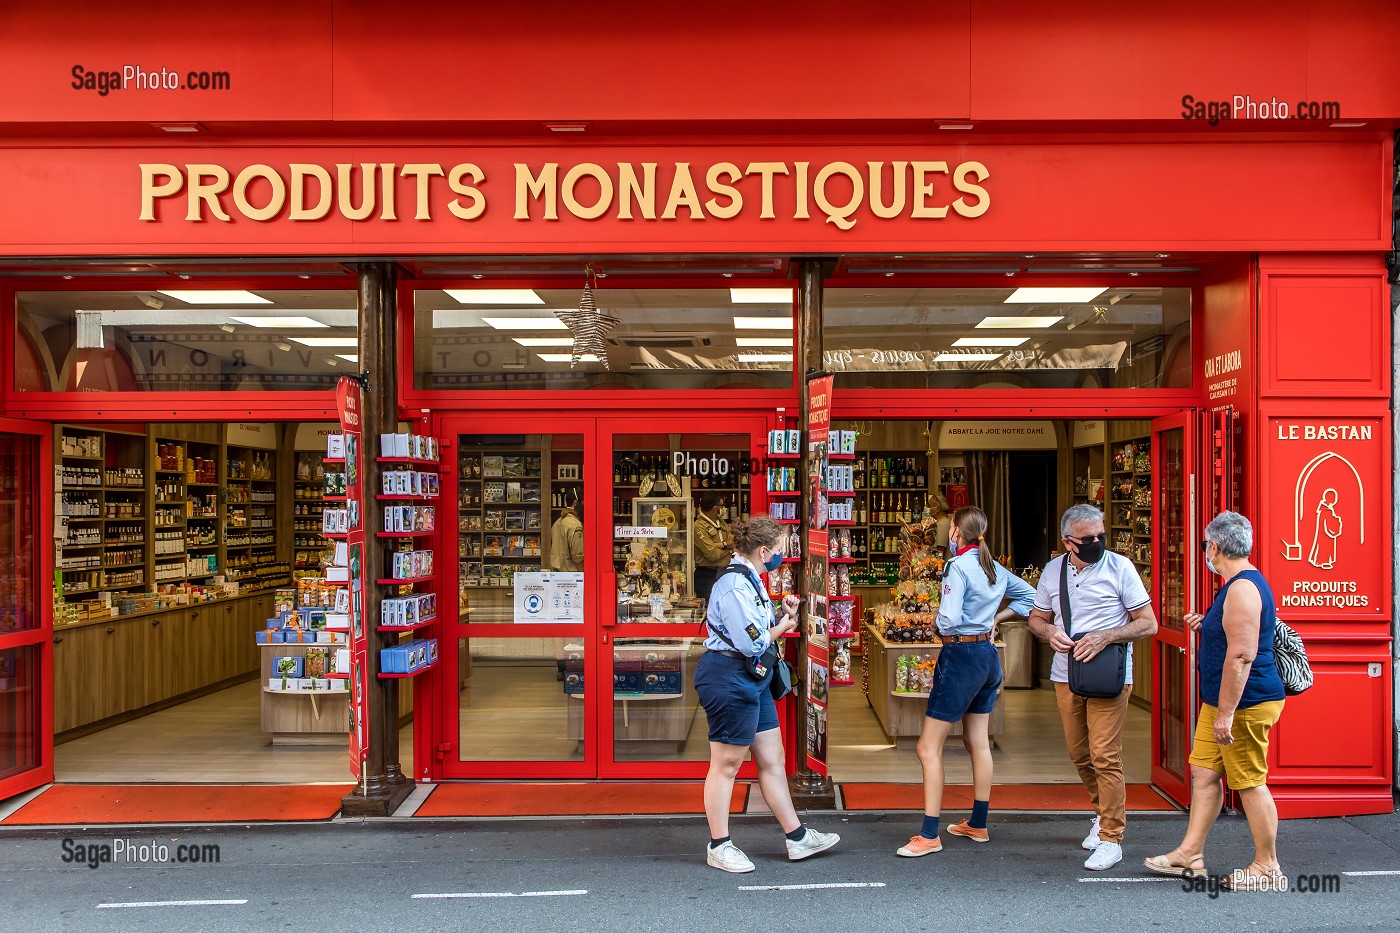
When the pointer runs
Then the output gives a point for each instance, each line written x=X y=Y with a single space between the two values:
x=1242 y=698
x=741 y=624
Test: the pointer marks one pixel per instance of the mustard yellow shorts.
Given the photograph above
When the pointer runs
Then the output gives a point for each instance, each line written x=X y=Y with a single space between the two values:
x=1245 y=761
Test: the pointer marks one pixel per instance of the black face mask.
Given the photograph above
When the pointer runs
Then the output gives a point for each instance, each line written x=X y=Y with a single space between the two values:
x=1091 y=548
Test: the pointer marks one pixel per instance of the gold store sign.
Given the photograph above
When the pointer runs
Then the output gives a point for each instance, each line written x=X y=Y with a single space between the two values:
x=838 y=193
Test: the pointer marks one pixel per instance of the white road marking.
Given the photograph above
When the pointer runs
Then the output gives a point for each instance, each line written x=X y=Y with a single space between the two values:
x=174 y=904
x=1368 y=874
x=811 y=887
x=1122 y=880
x=504 y=894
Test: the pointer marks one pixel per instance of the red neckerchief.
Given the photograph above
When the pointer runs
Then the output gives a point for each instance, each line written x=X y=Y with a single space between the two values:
x=964 y=549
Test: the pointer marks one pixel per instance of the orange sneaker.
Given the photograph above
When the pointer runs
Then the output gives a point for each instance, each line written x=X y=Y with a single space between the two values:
x=919 y=845
x=960 y=828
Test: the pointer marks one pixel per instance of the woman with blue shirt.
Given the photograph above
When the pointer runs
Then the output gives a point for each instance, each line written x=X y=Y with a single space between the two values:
x=968 y=674
x=741 y=624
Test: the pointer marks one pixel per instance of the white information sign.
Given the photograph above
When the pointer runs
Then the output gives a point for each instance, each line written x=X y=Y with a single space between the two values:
x=551 y=597
x=531 y=597
x=639 y=531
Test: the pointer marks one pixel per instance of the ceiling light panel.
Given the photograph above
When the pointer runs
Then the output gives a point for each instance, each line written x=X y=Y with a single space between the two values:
x=763 y=342
x=216 y=297
x=494 y=296
x=524 y=323
x=762 y=323
x=326 y=341
x=1016 y=323
x=760 y=296
x=1069 y=296
x=990 y=341
x=544 y=341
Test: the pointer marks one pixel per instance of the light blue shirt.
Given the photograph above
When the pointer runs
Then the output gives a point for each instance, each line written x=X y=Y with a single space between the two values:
x=969 y=604
x=742 y=614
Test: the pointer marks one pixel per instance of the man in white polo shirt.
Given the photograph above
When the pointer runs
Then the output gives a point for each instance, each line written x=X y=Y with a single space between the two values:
x=1107 y=604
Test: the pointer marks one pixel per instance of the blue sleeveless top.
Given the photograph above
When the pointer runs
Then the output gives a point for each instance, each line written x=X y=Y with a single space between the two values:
x=1264 y=683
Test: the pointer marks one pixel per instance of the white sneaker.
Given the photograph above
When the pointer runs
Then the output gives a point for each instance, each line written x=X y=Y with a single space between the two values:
x=1091 y=841
x=729 y=857
x=811 y=844
x=1106 y=855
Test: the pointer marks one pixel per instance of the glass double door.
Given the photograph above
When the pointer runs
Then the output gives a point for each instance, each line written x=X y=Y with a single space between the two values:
x=580 y=545
x=26 y=628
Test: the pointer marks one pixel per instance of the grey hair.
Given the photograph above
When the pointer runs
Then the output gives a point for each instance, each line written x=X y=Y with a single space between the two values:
x=1083 y=512
x=1232 y=534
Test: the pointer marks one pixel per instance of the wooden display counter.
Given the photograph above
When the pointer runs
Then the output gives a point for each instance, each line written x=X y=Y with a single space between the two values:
x=116 y=667
x=901 y=715
x=650 y=715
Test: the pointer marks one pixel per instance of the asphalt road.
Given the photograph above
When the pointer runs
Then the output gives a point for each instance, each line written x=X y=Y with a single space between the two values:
x=649 y=875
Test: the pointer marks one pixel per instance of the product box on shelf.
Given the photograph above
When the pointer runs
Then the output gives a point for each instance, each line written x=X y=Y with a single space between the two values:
x=409 y=657
x=662 y=682
x=335 y=446
x=315 y=662
x=287 y=666
x=573 y=682
x=627 y=681
x=340 y=663
x=661 y=661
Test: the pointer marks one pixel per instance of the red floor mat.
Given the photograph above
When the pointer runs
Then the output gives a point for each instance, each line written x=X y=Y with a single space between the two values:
x=83 y=804
x=1068 y=797
x=572 y=799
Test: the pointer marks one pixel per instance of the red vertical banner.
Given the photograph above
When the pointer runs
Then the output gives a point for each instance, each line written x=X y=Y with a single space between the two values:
x=350 y=403
x=818 y=673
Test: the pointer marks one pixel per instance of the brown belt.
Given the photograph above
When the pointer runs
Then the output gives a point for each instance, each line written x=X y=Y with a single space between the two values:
x=957 y=639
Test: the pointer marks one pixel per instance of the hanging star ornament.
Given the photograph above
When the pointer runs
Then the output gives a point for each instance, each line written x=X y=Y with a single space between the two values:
x=588 y=326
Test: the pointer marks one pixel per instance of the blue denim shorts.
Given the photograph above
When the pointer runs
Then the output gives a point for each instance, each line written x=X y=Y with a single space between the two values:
x=737 y=706
x=965 y=680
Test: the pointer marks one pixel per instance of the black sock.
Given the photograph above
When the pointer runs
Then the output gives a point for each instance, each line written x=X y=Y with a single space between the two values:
x=716 y=843
x=797 y=834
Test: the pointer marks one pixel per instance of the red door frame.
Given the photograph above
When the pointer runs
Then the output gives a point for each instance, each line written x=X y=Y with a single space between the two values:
x=1168 y=638
x=41 y=636
x=756 y=425
x=436 y=740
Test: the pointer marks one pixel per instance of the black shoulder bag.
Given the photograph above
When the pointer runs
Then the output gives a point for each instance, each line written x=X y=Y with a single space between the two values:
x=1101 y=677
x=784 y=679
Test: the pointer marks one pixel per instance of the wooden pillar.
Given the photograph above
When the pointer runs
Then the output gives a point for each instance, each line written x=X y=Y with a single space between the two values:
x=384 y=786
x=810 y=789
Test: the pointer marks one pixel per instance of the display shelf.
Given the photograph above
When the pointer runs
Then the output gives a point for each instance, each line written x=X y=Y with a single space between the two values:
x=410 y=581
x=422 y=670
x=841 y=560
x=784 y=493
x=842 y=599
x=405 y=497
x=406 y=534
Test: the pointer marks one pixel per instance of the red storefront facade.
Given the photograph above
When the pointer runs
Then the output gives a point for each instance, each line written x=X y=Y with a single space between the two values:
x=964 y=146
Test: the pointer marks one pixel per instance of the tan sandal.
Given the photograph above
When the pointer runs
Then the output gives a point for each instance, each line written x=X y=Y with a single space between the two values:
x=1250 y=879
x=1164 y=866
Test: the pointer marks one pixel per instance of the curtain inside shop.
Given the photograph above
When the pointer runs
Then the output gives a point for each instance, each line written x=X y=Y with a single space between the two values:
x=989 y=483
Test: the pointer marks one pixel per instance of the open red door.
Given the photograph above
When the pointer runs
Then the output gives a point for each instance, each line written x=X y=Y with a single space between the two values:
x=1176 y=525
x=26 y=619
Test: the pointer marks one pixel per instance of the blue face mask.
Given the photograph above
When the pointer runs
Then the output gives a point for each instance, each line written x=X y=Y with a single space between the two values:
x=774 y=561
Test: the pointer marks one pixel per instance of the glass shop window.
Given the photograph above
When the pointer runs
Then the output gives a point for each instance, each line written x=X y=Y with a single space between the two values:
x=184 y=340
x=540 y=338
x=1008 y=338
